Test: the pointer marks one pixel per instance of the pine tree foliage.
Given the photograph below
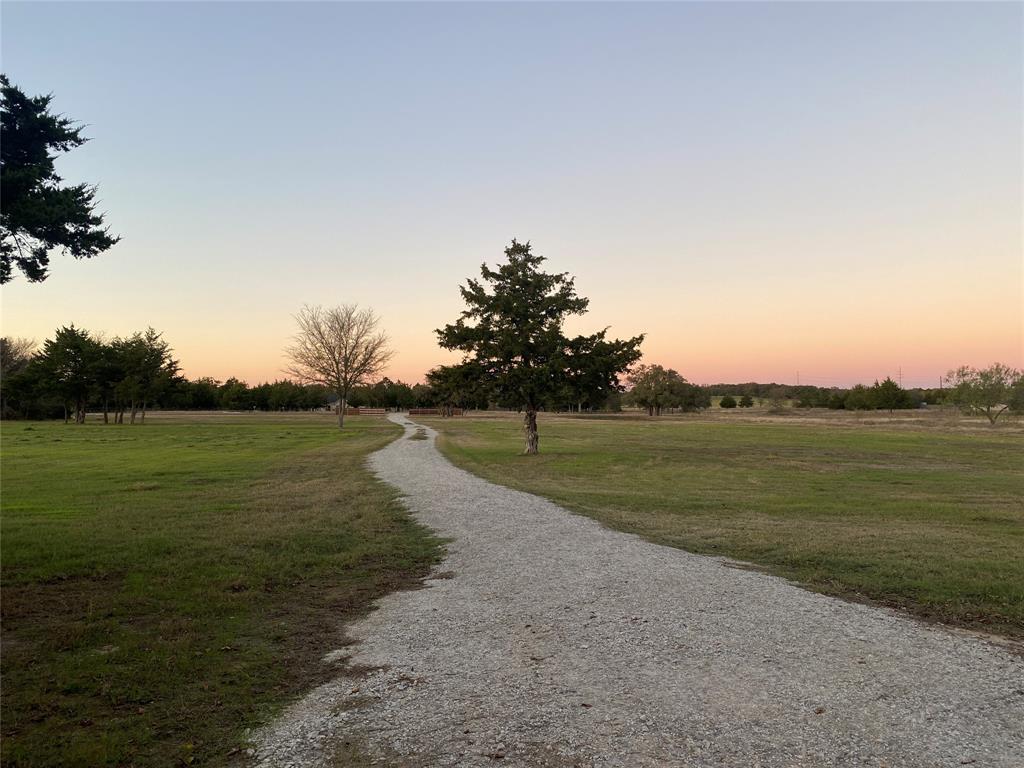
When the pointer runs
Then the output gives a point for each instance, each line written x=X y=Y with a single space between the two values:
x=512 y=338
x=38 y=213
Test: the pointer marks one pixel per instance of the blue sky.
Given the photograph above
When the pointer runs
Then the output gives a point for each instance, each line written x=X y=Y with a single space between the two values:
x=762 y=188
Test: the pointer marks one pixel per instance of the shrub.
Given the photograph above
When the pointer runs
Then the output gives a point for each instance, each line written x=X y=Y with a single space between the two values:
x=727 y=402
x=746 y=402
x=859 y=399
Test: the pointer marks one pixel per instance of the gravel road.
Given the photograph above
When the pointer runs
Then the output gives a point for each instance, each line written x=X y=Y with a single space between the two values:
x=548 y=640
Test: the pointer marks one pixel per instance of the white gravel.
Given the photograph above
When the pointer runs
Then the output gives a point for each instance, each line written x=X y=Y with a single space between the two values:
x=552 y=641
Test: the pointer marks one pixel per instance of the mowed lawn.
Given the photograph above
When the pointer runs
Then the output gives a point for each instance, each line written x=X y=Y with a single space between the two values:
x=926 y=519
x=167 y=585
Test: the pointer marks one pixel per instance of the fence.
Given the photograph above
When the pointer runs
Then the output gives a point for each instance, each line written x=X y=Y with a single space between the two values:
x=435 y=412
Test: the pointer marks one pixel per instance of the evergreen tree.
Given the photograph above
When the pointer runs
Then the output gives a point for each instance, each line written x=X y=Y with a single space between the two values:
x=511 y=335
x=148 y=371
x=889 y=395
x=39 y=214
x=67 y=368
x=457 y=386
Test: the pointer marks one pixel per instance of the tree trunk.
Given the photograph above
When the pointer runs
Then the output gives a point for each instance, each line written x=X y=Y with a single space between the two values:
x=106 y=408
x=341 y=409
x=530 y=427
x=143 y=411
x=135 y=409
x=65 y=413
x=993 y=416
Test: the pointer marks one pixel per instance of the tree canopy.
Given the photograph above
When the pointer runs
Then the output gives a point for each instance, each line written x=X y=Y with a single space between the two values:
x=457 y=386
x=511 y=335
x=986 y=391
x=657 y=388
x=39 y=213
x=76 y=368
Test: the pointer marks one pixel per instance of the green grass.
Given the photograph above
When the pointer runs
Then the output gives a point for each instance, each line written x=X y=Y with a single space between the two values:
x=167 y=586
x=927 y=519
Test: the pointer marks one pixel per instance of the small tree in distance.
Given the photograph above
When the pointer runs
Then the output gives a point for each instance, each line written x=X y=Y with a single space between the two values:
x=984 y=391
x=889 y=395
x=746 y=402
x=655 y=387
x=340 y=348
x=728 y=401
x=778 y=398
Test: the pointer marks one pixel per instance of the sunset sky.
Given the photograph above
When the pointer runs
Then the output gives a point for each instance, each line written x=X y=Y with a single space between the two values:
x=762 y=189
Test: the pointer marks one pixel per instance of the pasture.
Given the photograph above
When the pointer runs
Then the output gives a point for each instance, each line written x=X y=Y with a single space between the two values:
x=167 y=586
x=922 y=511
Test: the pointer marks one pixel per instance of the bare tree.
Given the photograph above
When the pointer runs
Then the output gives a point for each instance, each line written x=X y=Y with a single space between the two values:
x=338 y=347
x=15 y=354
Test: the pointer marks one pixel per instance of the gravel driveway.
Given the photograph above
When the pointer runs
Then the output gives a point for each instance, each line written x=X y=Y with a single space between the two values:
x=548 y=640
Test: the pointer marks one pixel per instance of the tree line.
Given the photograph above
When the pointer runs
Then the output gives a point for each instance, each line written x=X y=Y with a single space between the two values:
x=990 y=391
x=78 y=371
x=207 y=394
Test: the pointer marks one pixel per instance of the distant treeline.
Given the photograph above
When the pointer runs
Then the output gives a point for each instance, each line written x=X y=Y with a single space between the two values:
x=886 y=394
x=76 y=372
x=285 y=395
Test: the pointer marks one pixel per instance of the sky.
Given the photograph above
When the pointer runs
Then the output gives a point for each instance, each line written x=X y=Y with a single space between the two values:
x=768 y=191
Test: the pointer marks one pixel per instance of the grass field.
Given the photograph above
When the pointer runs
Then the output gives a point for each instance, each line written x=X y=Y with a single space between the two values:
x=166 y=586
x=917 y=512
